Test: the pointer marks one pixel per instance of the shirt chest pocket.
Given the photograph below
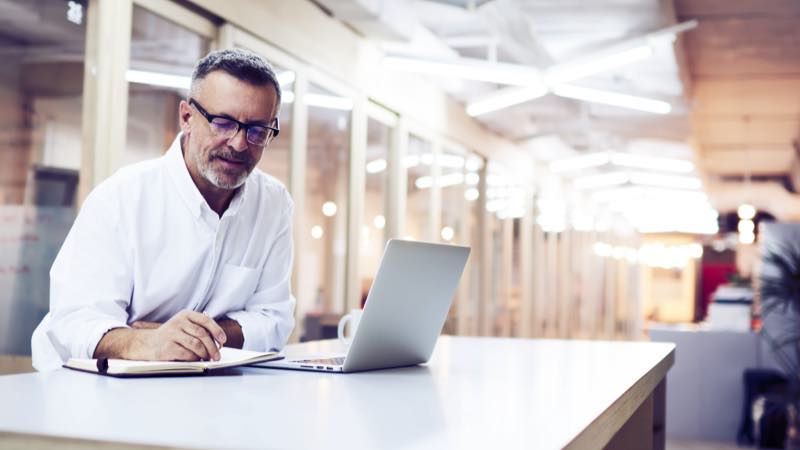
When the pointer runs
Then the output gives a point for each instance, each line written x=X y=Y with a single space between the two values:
x=236 y=284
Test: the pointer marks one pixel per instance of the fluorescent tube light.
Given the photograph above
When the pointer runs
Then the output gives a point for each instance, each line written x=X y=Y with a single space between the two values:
x=376 y=166
x=450 y=161
x=467 y=69
x=667 y=181
x=656 y=194
x=613 y=99
x=579 y=162
x=652 y=162
x=504 y=98
x=321 y=101
x=602 y=180
x=571 y=71
x=450 y=179
x=158 y=79
x=329 y=101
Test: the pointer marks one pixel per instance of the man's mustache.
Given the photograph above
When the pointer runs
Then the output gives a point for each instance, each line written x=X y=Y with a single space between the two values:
x=232 y=156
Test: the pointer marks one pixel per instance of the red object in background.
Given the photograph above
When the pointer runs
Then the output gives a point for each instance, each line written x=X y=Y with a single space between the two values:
x=711 y=276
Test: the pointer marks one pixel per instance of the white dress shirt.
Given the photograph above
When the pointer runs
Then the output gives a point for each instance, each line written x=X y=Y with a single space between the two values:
x=146 y=245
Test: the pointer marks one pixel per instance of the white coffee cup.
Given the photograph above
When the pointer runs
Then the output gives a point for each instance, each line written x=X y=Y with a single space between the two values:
x=353 y=317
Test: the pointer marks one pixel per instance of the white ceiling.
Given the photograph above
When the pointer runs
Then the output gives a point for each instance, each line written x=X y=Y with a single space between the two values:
x=540 y=34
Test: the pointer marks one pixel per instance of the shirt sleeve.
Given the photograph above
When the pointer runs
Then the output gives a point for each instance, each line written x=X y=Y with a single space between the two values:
x=91 y=279
x=268 y=317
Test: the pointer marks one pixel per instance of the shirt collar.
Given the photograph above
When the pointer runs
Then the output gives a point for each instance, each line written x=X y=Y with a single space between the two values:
x=188 y=191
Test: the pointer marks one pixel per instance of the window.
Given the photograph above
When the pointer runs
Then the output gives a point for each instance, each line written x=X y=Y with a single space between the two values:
x=162 y=57
x=276 y=158
x=373 y=223
x=419 y=159
x=41 y=88
x=452 y=180
x=324 y=243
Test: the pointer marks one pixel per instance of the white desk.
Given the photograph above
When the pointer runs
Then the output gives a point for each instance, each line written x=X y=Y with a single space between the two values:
x=474 y=393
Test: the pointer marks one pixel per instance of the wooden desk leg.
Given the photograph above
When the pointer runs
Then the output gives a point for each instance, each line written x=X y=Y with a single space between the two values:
x=637 y=432
x=660 y=415
x=645 y=426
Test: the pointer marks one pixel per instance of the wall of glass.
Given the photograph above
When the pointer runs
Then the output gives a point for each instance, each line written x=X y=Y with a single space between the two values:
x=323 y=245
x=41 y=87
x=451 y=195
x=419 y=162
x=276 y=159
x=454 y=221
x=470 y=288
x=373 y=222
x=162 y=56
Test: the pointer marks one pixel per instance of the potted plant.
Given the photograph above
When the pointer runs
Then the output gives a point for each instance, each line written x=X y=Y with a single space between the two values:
x=779 y=288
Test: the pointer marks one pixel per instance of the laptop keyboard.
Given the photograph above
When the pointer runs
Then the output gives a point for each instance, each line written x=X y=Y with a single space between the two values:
x=338 y=361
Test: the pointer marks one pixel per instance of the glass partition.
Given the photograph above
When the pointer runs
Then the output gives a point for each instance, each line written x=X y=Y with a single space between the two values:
x=419 y=160
x=452 y=180
x=472 y=180
x=162 y=57
x=41 y=89
x=276 y=158
x=373 y=223
x=326 y=186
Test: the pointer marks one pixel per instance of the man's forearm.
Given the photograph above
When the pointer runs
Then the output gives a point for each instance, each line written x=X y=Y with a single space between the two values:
x=122 y=342
x=115 y=343
x=233 y=332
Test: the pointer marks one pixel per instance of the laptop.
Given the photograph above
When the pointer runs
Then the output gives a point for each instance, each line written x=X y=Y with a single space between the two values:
x=404 y=313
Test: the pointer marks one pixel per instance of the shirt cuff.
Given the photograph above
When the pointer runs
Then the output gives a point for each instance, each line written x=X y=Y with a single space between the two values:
x=254 y=330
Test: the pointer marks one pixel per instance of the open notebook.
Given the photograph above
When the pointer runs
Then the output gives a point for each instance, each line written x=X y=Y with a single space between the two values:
x=229 y=357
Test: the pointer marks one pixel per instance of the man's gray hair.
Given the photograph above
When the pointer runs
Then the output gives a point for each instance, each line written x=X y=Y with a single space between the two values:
x=242 y=64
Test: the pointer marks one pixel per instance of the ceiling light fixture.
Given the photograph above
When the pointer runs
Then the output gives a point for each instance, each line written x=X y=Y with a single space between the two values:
x=579 y=162
x=586 y=67
x=746 y=211
x=505 y=98
x=666 y=181
x=450 y=179
x=376 y=166
x=613 y=99
x=651 y=162
x=467 y=69
x=158 y=79
x=602 y=180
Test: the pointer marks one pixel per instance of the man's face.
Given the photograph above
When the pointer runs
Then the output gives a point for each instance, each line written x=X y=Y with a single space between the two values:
x=214 y=161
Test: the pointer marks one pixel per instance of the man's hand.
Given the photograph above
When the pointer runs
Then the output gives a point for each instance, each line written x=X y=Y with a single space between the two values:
x=187 y=336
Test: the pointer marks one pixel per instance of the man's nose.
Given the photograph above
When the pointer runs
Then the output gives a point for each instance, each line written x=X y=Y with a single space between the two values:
x=238 y=141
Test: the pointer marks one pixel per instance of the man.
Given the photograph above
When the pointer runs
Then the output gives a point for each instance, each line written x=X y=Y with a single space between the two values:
x=170 y=258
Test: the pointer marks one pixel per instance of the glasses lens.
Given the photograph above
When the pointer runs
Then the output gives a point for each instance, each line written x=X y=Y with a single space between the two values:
x=224 y=127
x=258 y=135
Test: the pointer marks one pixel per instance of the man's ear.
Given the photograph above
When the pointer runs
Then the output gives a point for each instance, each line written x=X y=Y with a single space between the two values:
x=184 y=114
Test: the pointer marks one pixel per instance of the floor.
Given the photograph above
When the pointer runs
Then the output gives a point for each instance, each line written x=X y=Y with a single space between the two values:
x=11 y=364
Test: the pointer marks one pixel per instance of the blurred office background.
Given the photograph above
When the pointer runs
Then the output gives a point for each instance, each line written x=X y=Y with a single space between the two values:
x=611 y=162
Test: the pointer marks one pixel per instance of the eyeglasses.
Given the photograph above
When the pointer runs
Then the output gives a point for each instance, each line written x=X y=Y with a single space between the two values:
x=227 y=127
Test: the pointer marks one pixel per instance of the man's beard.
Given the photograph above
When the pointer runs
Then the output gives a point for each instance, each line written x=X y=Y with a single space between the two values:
x=217 y=176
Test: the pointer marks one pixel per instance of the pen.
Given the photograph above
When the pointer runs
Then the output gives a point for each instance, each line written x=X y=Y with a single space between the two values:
x=212 y=337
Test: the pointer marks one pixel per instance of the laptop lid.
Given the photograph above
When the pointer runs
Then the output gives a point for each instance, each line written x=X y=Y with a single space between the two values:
x=407 y=305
